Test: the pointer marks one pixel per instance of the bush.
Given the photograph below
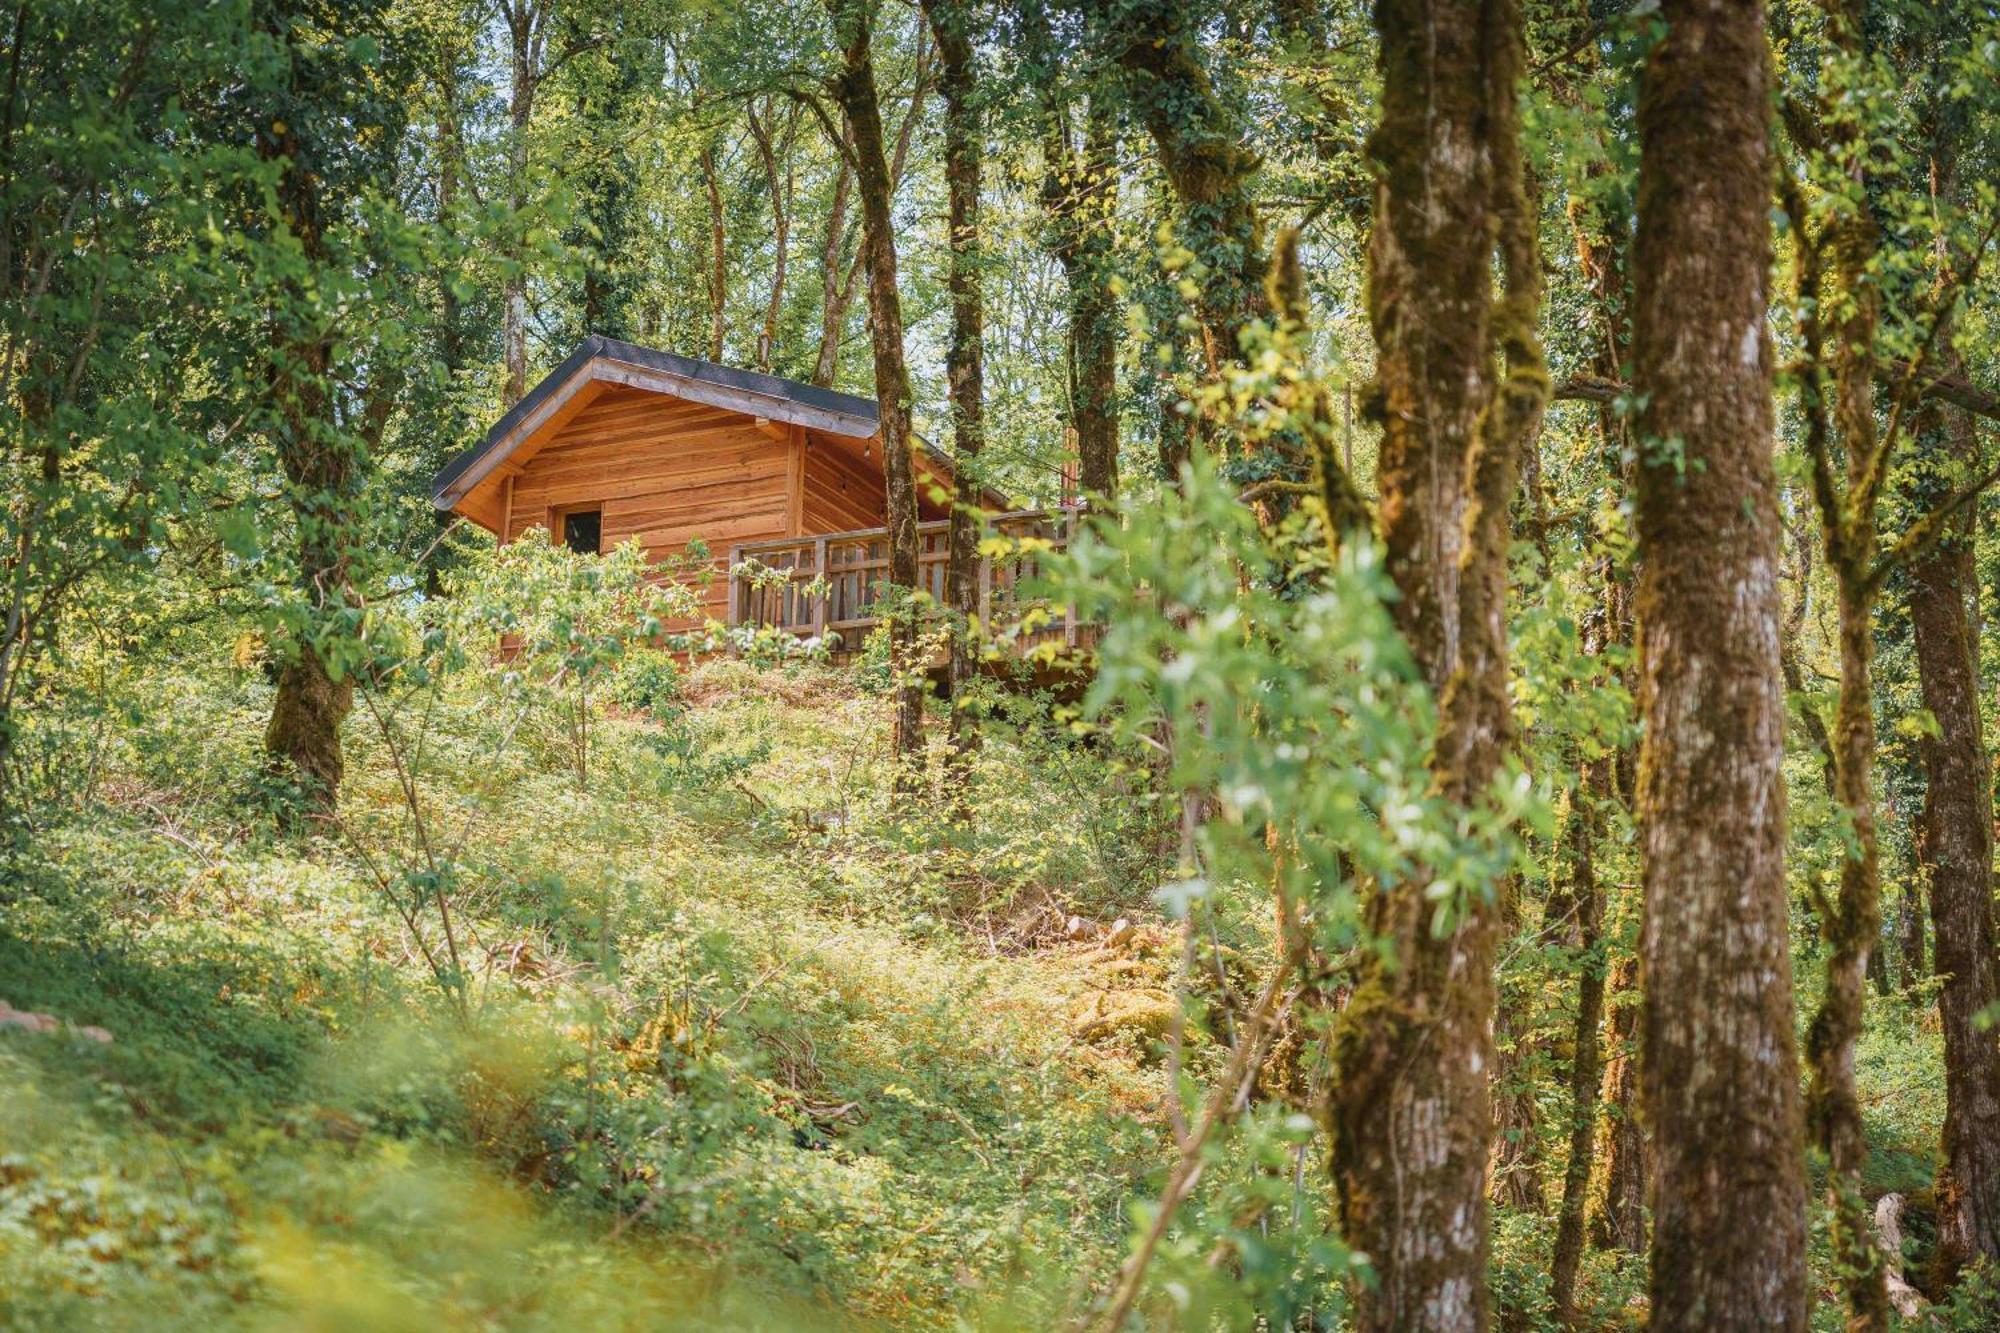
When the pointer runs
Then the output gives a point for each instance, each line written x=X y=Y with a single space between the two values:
x=648 y=682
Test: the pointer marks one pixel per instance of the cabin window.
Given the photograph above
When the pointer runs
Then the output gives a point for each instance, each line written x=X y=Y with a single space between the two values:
x=583 y=530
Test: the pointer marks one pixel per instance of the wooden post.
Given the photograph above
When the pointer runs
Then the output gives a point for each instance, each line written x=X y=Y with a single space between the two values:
x=820 y=603
x=735 y=588
x=986 y=593
x=1069 y=611
x=795 y=518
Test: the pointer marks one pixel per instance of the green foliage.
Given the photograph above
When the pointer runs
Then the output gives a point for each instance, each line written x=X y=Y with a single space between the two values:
x=649 y=683
x=714 y=1003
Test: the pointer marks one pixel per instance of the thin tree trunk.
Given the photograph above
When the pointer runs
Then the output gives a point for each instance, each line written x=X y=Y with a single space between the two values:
x=1955 y=858
x=779 y=183
x=1620 y=1220
x=718 y=254
x=832 y=270
x=855 y=89
x=525 y=28
x=1079 y=196
x=1852 y=924
x=1085 y=250
x=1411 y=1109
x=1602 y=1101
x=1719 y=1080
x=838 y=280
x=950 y=22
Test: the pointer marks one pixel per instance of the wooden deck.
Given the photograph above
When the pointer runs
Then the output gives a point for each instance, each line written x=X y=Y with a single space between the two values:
x=827 y=585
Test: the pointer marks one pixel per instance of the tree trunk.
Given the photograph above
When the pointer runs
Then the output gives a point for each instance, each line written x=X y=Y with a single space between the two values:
x=1207 y=161
x=718 y=254
x=950 y=24
x=1620 y=1220
x=302 y=739
x=855 y=89
x=1411 y=1108
x=832 y=272
x=779 y=183
x=1852 y=924
x=1602 y=1104
x=1955 y=857
x=525 y=29
x=1720 y=1076
x=837 y=284
x=1584 y=934
x=1079 y=195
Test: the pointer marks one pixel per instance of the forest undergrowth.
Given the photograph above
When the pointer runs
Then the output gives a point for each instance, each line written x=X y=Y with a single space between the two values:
x=731 y=1043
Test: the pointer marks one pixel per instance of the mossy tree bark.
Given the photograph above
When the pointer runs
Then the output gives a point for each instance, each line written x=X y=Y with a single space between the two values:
x=1207 y=161
x=1411 y=1112
x=950 y=23
x=855 y=89
x=1079 y=192
x=1838 y=392
x=1719 y=1077
x=1602 y=238
x=322 y=475
x=1618 y=1219
x=1955 y=856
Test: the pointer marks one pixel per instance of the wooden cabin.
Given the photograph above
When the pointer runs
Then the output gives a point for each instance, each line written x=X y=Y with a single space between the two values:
x=622 y=441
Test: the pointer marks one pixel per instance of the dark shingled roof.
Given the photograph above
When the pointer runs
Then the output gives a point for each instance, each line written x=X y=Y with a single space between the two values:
x=597 y=345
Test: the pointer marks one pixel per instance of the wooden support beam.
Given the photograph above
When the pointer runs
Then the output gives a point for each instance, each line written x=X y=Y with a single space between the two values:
x=795 y=438
x=820 y=602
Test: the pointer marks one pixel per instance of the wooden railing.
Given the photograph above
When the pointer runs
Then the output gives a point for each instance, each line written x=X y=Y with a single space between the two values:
x=828 y=585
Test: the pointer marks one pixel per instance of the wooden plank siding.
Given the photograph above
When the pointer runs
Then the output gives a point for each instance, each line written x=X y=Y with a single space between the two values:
x=664 y=471
x=840 y=495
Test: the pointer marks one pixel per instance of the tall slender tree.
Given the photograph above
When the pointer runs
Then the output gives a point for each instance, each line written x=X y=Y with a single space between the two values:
x=542 y=37
x=861 y=109
x=951 y=24
x=1079 y=193
x=1955 y=828
x=1720 y=1073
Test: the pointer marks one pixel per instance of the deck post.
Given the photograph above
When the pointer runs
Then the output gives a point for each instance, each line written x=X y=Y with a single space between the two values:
x=1069 y=610
x=735 y=588
x=826 y=595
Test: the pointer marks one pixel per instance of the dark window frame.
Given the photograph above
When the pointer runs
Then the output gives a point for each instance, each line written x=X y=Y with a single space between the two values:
x=565 y=535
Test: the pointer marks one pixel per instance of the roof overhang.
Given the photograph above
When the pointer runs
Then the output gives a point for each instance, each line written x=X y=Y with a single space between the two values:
x=605 y=361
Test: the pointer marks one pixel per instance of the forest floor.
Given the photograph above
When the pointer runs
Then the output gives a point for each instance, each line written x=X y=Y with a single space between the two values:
x=730 y=1044
x=717 y=997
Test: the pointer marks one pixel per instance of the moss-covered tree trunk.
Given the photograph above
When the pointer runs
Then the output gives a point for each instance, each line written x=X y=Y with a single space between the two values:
x=854 y=87
x=1583 y=932
x=1955 y=854
x=1618 y=1221
x=1852 y=923
x=321 y=472
x=1410 y=1111
x=1206 y=159
x=950 y=23
x=1079 y=193
x=1602 y=236
x=1720 y=1069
